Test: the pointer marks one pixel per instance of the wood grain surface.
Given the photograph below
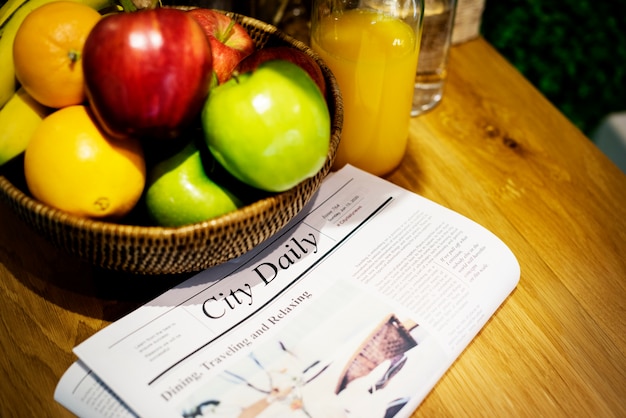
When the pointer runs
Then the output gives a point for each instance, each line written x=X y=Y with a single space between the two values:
x=494 y=150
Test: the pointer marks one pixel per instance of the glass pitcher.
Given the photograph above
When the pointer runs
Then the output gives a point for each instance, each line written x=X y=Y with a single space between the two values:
x=371 y=46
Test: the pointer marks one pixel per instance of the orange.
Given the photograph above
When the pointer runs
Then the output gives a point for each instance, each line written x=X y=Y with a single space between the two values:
x=69 y=164
x=47 y=51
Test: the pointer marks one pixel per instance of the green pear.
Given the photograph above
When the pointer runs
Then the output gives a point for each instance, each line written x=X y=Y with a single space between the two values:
x=179 y=191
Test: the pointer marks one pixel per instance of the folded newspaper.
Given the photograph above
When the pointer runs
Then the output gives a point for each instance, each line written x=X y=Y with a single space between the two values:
x=355 y=309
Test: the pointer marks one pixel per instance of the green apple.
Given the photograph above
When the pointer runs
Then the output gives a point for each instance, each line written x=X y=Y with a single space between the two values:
x=270 y=127
x=180 y=192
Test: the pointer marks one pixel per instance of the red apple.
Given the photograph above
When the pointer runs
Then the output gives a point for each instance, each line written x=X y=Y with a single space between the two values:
x=147 y=73
x=230 y=42
x=289 y=54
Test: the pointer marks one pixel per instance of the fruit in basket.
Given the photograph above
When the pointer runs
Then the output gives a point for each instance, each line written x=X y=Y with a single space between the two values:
x=19 y=118
x=230 y=42
x=12 y=14
x=47 y=52
x=147 y=72
x=70 y=165
x=286 y=53
x=179 y=191
x=270 y=128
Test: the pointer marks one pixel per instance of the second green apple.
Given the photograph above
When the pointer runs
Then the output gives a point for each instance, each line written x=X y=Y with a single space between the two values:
x=180 y=191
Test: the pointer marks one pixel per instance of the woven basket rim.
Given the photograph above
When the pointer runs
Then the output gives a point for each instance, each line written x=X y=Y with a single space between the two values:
x=32 y=205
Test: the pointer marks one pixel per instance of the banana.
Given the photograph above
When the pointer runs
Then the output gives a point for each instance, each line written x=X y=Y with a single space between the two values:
x=8 y=8
x=18 y=120
x=8 y=83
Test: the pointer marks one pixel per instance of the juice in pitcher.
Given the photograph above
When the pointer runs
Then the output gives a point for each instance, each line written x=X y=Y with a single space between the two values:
x=373 y=57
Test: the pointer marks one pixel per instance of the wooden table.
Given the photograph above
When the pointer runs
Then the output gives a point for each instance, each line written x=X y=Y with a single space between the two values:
x=494 y=150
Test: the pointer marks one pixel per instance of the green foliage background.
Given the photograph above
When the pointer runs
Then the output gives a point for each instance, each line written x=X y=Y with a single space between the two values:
x=573 y=51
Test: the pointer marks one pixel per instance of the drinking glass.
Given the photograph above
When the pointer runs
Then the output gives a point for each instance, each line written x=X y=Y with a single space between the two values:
x=433 y=57
x=371 y=46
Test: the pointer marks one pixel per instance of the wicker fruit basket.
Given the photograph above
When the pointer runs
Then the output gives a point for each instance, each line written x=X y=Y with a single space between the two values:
x=150 y=250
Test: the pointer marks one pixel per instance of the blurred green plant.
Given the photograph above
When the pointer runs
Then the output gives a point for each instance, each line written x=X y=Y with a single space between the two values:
x=573 y=51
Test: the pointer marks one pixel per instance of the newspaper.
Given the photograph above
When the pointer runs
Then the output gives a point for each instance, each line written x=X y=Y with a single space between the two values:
x=355 y=309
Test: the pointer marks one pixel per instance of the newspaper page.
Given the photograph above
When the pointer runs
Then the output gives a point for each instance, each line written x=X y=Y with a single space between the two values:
x=84 y=394
x=355 y=309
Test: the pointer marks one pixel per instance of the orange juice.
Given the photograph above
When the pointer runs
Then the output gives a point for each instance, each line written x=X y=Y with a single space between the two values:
x=373 y=57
